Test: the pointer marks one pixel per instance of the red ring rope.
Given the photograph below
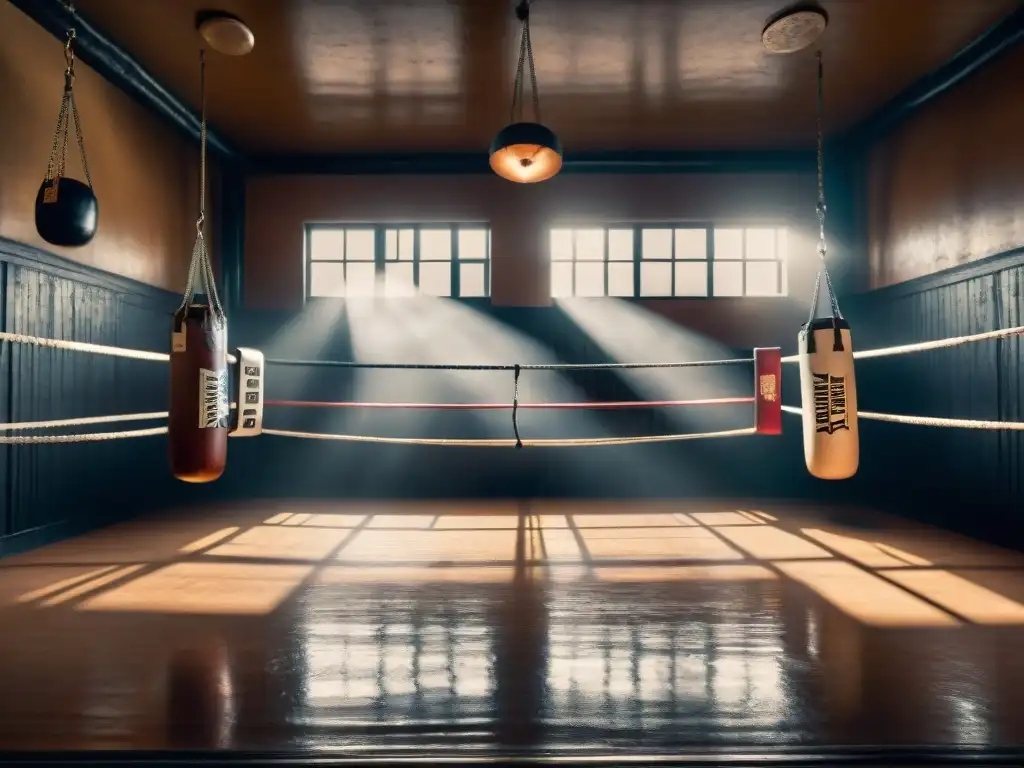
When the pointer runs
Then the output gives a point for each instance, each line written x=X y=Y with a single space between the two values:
x=508 y=406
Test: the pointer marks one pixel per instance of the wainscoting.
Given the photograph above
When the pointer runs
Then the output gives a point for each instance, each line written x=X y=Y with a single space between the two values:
x=971 y=480
x=49 y=491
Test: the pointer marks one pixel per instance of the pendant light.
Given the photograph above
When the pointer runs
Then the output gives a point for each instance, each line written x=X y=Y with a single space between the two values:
x=525 y=152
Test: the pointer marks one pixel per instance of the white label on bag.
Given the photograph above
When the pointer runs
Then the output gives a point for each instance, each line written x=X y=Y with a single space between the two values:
x=213 y=399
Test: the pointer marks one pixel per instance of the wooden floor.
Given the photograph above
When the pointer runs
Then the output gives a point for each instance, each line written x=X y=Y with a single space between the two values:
x=538 y=625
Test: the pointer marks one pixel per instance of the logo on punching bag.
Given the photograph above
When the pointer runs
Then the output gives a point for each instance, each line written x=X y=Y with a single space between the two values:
x=213 y=399
x=829 y=403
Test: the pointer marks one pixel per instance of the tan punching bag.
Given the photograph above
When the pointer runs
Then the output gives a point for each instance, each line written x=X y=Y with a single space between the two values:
x=197 y=426
x=828 y=392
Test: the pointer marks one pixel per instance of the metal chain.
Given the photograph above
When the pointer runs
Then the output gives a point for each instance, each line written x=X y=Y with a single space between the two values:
x=68 y=112
x=200 y=265
x=525 y=61
x=821 y=207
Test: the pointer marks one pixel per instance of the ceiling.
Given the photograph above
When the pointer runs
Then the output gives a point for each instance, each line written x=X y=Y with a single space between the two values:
x=339 y=76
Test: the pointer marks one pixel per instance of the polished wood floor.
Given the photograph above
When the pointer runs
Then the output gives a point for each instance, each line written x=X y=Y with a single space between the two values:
x=537 y=625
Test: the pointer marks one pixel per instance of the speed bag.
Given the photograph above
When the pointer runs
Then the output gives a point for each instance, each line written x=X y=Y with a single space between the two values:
x=198 y=419
x=828 y=392
x=67 y=213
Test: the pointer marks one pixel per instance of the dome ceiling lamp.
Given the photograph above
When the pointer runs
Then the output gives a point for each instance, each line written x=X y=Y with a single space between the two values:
x=525 y=152
x=794 y=29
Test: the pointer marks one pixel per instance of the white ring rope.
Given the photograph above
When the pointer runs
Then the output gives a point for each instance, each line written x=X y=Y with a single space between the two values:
x=925 y=346
x=929 y=421
x=509 y=443
x=865 y=354
x=96 y=349
x=82 y=421
x=83 y=438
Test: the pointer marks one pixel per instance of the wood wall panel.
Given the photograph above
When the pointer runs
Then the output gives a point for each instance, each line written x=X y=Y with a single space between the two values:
x=968 y=479
x=52 y=490
x=520 y=216
x=946 y=188
x=144 y=174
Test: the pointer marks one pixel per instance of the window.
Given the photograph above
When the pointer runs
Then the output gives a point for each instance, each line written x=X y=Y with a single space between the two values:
x=402 y=260
x=592 y=262
x=688 y=260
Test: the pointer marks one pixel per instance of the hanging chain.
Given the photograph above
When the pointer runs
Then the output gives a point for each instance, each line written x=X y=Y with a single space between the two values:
x=201 y=262
x=525 y=61
x=821 y=206
x=68 y=112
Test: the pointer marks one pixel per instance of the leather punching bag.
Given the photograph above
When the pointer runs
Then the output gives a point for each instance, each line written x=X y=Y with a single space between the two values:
x=828 y=394
x=197 y=428
x=67 y=212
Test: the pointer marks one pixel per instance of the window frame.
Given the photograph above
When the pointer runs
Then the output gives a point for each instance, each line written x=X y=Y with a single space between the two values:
x=380 y=259
x=709 y=228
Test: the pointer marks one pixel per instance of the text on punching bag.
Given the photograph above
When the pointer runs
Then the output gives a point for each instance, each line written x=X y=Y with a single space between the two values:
x=829 y=403
x=213 y=399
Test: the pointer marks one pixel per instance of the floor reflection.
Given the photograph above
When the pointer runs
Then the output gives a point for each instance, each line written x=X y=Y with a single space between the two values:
x=538 y=626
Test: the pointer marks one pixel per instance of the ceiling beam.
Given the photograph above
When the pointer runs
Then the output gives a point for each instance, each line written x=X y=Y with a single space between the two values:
x=621 y=162
x=987 y=48
x=113 y=64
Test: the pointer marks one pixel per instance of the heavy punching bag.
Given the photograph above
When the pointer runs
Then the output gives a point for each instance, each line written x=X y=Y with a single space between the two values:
x=828 y=389
x=198 y=424
x=67 y=212
x=828 y=393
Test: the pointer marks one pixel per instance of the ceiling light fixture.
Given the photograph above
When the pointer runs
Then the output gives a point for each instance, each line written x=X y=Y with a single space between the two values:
x=794 y=29
x=225 y=33
x=525 y=152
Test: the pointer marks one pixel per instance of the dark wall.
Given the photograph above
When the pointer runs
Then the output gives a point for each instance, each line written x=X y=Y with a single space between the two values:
x=972 y=480
x=48 y=491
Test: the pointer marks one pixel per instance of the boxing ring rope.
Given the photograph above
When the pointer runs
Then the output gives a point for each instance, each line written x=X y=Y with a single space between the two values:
x=588 y=406
x=926 y=346
x=569 y=442
x=928 y=421
x=136 y=354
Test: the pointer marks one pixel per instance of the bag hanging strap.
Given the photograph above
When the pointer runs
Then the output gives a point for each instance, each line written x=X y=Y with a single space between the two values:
x=200 y=266
x=837 y=316
x=55 y=168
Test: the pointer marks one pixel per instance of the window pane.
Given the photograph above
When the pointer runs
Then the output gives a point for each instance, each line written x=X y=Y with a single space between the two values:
x=435 y=245
x=473 y=244
x=728 y=277
x=589 y=279
x=435 y=277
x=620 y=279
x=784 y=279
x=405 y=244
x=561 y=245
x=691 y=278
x=327 y=244
x=762 y=278
x=589 y=246
x=656 y=244
x=783 y=243
x=620 y=244
x=728 y=244
x=359 y=245
x=761 y=244
x=471 y=279
x=390 y=244
x=656 y=278
x=691 y=244
x=398 y=280
x=360 y=278
x=327 y=279
x=561 y=279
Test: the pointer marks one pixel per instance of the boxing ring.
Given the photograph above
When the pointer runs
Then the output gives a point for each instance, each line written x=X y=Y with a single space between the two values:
x=765 y=401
